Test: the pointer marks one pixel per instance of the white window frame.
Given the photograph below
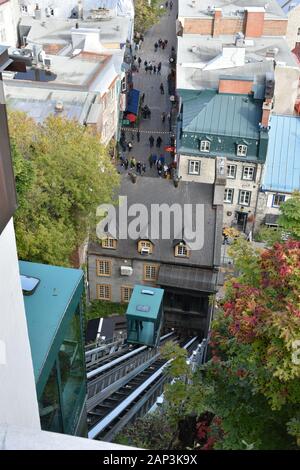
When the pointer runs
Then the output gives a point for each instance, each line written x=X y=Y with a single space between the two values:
x=204 y=146
x=241 y=150
x=226 y=199
x=192 y=165
x=275 y=196
x=229 y=175
x=248 y=177
x=243 y=196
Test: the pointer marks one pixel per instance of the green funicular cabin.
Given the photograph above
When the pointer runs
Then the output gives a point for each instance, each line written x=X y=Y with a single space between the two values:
x=145 y=315
x=54 y=320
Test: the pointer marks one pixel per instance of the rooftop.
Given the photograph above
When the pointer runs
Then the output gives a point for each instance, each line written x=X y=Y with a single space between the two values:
x=282 y=169
x=202 y=8
x=221 y=114
x=39 y=103
x=151 y=191
x=202 y=59
x=58 y=31
x=47 y=306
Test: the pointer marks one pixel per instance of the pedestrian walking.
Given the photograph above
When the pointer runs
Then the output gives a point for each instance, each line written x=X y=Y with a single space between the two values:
x=143 y=168
x=138 y=135
x=166 y=170
x=155 y=47
x=143 y=98
x=163 y=45
x=139 y=167
x=151 y=160
x=161 y=160
x=160 y=42
x=145 y=63
x=154 y=69
x=158 y=68
x=129 y=146
x=139 y=61
x=169 y=117
x=171 y=5
x=151 y=141
x=162 y=90
x=163 y=118
x=132 y=163
x=167 y=4
x=126 y=163
x=166 y=42
x=146 y=68
x=173 y=49
x=158 y=142
x=149 y=113
x=134 y=58
x=150 y=69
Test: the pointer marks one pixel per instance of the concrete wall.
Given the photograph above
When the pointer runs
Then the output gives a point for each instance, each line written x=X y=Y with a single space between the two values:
x=207 y=175
x=9 y=16
x=292 y=35
x=286 y=78
x=18 y=402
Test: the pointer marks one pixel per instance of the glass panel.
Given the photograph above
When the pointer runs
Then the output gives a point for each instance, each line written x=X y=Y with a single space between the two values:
x=49 y=405
x=72 y=374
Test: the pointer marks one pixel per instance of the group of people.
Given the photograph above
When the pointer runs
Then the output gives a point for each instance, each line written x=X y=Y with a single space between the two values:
x=158 y=141
x=133 y=164
x=163 y=170
x=169 y=4
x=160 y=43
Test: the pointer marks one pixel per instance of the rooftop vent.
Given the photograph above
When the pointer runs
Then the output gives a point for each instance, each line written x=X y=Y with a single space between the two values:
x=29 y=284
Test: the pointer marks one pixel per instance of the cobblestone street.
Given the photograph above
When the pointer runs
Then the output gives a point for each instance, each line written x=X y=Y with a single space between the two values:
x=149 y=84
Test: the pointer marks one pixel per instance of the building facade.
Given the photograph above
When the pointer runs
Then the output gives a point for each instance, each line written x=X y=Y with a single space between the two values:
x=281 y=176
x=231 y=125
x=188 y=276
x=254 y=19
x=292 y=10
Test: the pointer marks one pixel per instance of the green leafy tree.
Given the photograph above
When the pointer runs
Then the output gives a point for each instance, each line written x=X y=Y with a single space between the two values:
x=62 y=173
x=146 y=15
x=289 y=219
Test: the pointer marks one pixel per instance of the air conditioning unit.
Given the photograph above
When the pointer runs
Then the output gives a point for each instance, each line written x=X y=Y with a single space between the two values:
x=126 y=271
x=145 y=251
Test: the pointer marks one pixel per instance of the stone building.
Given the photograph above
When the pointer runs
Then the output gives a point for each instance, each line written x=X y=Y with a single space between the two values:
x=188 y=276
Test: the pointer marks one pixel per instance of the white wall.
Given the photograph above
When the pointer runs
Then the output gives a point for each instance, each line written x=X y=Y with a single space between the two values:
x=293 y=25
x=9 y=16
x=18 y=403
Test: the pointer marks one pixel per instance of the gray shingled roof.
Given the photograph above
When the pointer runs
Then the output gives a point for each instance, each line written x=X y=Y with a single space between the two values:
x=149 y=191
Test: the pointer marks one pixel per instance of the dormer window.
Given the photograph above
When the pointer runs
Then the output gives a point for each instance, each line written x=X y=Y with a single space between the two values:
x=145 y=247
x=109 y=242
x=204 y=146
x=241 y=150
x=181 y=250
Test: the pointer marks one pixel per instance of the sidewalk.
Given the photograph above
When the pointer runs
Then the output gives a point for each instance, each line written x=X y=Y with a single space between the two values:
x=150 y=85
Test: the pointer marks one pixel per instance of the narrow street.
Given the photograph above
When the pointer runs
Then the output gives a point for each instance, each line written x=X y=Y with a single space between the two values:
x=149 y=84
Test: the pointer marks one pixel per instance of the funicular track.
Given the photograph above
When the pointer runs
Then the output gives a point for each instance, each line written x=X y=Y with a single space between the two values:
x=130 y=398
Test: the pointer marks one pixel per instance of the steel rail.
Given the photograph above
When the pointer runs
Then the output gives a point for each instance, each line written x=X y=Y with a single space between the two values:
x=103 y=423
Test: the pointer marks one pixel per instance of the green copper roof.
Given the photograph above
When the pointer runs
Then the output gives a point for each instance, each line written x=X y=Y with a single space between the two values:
x=145 y=306
x=208 y=112
x=58 y=292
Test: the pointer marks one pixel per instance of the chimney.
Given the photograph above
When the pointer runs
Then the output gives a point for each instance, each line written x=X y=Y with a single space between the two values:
x=267 y=107
x=217 y=26
x=255 y=19
x=220 y=181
